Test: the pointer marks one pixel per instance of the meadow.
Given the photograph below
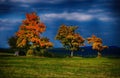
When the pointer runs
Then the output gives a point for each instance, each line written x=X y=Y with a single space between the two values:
x=41 y=67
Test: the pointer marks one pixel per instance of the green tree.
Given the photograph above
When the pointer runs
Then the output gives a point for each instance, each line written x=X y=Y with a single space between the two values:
x=12 y=43
x=13 y=46
x=69 y=38
x=96 y=44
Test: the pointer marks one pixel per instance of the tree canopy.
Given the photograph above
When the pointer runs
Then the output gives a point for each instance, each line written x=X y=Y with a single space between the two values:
x=96 y=43
x=69 y=38
x=29 y=33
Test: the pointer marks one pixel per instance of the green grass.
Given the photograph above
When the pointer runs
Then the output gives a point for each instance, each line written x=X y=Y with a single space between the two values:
x=76 y=67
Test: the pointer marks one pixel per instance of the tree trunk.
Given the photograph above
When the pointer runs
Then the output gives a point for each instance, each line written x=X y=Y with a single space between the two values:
x=99 y=54
x=71 y=54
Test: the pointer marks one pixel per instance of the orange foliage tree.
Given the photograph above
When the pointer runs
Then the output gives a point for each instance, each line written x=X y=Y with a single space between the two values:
x=96 y=44
x=29 y=33
x=69 y=38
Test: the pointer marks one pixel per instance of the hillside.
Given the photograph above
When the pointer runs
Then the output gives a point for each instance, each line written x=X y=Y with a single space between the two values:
x=88 y=52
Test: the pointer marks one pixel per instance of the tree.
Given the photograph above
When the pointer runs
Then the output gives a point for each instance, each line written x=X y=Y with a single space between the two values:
x=69 y=38
x=12 y=42
x=45 y=44
x=13 y=46
x=96 y=44
x=28 y=35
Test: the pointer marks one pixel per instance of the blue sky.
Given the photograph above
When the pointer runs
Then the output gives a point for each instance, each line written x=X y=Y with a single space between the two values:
x=99 y=17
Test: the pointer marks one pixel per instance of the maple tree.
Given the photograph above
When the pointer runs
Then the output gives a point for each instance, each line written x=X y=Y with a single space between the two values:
x=29 y=33
x=96 y=44
x=69 y=38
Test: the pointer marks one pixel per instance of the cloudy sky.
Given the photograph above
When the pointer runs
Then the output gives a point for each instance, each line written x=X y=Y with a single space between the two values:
x=99 y=17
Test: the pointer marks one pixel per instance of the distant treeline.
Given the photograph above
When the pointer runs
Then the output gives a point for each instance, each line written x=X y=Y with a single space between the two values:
x=6 y=50
x=83 y=52
x=87 y=52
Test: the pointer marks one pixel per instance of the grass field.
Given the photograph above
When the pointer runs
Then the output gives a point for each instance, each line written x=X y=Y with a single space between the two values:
x=76 y=67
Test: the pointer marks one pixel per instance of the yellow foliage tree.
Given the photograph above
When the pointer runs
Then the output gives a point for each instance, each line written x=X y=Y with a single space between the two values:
x=69 y=38
x=96 y=44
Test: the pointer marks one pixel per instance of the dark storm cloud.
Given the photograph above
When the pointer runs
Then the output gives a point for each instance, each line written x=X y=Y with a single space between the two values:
x=5 y=8
x=99 y=17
